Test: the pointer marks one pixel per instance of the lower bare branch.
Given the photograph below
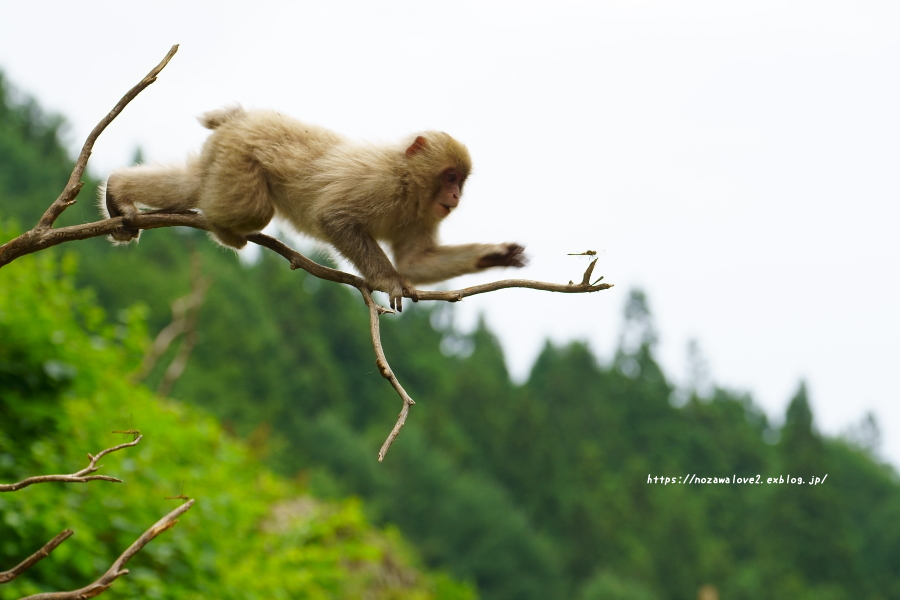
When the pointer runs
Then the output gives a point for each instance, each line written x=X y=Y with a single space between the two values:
x=116 y=570
x=79 y=477
x=44 y=552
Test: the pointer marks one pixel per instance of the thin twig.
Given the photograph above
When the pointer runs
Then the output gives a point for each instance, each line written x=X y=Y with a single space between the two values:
x=44 y=552
x=384 y=368
x=79 y=477
x=116 y=570
x=67 y=198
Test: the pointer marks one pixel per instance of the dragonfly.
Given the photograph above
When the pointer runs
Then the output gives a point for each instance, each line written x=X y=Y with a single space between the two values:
x=128 y=428
x=180 y=495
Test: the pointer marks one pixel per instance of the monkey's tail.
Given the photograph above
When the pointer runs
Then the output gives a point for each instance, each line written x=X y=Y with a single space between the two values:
x=216 y=118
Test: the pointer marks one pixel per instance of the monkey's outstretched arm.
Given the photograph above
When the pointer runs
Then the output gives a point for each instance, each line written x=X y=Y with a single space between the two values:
x=437 y=263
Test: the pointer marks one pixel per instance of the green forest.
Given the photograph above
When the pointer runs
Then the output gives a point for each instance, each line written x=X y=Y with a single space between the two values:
x=495 y=490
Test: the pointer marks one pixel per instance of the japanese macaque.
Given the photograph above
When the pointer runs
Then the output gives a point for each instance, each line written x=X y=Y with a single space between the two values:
x=258 y=164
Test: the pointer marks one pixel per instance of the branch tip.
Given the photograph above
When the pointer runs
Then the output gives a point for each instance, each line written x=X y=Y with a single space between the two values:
x=82 y=476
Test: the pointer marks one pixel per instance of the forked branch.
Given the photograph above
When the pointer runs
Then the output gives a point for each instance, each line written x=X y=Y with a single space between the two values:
x=117 y=569
x=41 y=236
x=67 y=198
x=81 y=476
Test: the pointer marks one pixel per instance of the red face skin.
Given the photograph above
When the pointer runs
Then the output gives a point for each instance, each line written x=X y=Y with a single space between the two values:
x=451 y=189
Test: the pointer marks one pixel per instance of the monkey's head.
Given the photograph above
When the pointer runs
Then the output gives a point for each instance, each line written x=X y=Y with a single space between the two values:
x=438 y=166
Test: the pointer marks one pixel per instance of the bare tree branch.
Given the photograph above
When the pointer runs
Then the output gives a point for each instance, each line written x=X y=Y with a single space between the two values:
x=38 y=238
x=67 y=198
x=41 y=239
x=298 y=261
x=44 y=552
x=384 y=368
x=79 y=477
x=116 y=570
x=44 y=236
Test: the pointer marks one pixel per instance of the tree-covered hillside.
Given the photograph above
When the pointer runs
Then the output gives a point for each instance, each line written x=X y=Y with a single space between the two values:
x=64 y=388
x=540 y=490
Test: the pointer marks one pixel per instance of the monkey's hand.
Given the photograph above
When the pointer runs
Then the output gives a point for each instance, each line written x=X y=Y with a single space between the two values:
x=513 y=255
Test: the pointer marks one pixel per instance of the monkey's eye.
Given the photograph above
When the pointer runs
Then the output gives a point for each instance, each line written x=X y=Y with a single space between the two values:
x=451 y=177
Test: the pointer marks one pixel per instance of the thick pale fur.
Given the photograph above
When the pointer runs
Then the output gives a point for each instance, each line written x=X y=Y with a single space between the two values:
x=257 y=164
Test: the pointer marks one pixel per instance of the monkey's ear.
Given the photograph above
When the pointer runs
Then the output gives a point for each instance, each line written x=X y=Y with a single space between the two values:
x=417 y=146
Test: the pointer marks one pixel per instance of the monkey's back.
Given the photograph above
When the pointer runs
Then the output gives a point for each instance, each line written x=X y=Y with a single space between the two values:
x=265 y=144
x=285 y=146
x=308 y=173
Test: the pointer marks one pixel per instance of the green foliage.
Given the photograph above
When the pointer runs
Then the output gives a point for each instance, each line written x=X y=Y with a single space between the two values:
x=606 y=586
x=250 y=535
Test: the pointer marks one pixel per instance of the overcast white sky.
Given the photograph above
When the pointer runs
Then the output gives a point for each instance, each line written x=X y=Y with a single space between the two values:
x=738 y=161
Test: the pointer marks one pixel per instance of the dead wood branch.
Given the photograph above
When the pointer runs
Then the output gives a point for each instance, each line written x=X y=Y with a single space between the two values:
x=44 y=236
x=37 y=240
x=81 y=476
x=384 y=368
x=39 y=237
x=298 y=261
x=116 y=570
x=44 y=552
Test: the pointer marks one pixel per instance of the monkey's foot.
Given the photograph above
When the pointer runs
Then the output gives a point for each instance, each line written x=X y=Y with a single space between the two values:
x=123 y=235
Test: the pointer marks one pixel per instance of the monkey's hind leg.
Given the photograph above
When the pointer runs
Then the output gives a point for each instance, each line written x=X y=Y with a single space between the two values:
x=111 y=208
x=227 y=237
x=170 y=189
x=235 y=199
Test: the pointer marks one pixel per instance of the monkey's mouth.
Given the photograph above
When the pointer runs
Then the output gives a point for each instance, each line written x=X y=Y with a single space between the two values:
x=447 y=207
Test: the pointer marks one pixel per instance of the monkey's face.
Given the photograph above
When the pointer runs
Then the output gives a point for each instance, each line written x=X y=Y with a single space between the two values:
x=449 y=192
